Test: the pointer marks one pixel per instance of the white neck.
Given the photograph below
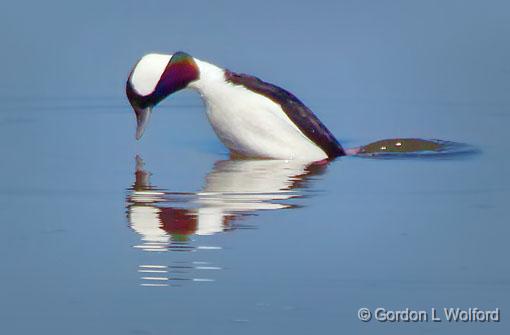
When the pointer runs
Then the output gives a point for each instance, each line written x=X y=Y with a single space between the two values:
x=210 y=74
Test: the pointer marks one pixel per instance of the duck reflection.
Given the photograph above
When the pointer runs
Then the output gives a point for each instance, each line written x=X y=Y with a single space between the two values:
x=233 y=190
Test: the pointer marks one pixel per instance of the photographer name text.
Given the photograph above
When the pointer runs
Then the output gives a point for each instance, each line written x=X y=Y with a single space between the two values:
x=448 y=314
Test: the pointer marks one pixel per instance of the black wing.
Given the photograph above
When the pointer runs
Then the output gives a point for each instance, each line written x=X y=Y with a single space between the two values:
x=302 y=116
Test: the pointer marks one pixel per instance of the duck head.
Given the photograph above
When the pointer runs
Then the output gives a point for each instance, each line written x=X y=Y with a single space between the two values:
x=155 y=77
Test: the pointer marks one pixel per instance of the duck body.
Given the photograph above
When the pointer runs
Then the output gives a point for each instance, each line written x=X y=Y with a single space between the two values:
x=251 y=117
x=249 y=123
x=256 y=119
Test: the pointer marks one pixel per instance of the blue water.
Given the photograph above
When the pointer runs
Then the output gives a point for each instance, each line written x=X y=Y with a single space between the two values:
x=103 y=234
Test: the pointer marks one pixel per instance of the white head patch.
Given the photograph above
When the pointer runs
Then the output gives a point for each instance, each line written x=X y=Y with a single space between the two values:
x=147 y=73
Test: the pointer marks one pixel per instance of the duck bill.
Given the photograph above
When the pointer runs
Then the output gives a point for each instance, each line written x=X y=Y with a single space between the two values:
x=142 y=119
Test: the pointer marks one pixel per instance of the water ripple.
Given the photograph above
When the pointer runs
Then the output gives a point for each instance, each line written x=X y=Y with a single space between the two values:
x=168 y=221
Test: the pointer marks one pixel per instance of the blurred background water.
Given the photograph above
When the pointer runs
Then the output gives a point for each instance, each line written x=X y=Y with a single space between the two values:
x=102 y=234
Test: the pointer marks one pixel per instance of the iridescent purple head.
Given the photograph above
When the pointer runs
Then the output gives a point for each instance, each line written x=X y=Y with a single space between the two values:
x=155 y=77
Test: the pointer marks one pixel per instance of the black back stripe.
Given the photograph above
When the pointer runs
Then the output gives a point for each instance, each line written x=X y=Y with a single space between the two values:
x=302 y=116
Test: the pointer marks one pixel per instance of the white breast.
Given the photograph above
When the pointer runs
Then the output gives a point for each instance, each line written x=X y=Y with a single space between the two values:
x=249 y=123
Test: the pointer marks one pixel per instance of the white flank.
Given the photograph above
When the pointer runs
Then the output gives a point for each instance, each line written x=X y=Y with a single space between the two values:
x=249 y=123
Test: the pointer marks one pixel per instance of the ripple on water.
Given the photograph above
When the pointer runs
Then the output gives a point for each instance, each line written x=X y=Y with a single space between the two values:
x=234 y=189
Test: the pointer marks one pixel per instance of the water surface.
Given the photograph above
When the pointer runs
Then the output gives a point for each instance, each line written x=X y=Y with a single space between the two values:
x=103 y=234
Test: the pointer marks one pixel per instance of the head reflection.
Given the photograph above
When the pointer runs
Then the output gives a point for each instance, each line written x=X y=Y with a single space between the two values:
x=234 y=189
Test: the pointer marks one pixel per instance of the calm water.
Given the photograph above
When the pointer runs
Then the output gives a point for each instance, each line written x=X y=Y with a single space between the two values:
x=102 y=234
